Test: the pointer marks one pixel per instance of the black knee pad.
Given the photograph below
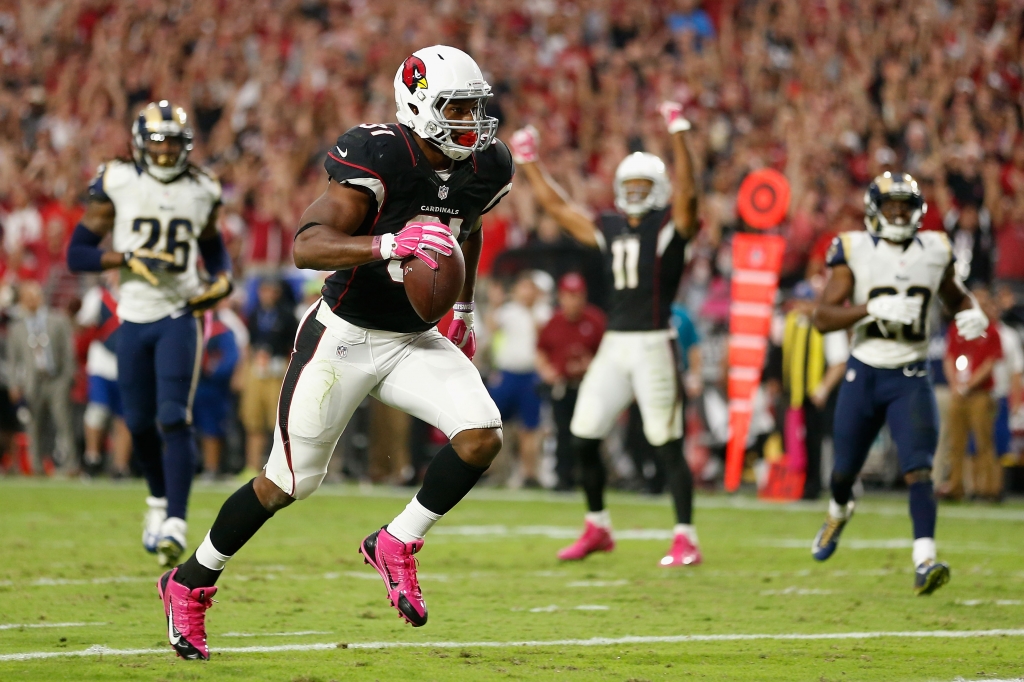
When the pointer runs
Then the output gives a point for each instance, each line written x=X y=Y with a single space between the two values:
x=671 y=453
x=588 y=450
x=172 y=417
x=918 y=475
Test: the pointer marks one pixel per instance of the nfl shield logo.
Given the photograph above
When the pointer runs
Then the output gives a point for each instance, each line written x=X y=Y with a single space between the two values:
x=442 y=192
x=342 y=351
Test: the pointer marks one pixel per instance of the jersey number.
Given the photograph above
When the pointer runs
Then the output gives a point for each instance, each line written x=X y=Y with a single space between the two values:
x=625 y=263
x=175 y=239
x=395 y=266
x=377 y=128
x=918 y=331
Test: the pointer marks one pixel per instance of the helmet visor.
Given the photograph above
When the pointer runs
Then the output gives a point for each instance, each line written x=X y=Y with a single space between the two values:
x=164 y=150
x=463 y=115
x=637 y=190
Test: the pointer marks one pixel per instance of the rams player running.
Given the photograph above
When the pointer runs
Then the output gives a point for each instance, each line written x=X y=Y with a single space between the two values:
x=162 y=214
x=889 y=275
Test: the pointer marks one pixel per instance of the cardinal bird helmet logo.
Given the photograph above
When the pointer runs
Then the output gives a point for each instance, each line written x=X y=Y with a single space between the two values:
x=414 y=74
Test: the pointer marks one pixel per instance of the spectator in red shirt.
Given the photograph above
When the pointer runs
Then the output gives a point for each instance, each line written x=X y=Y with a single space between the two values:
x=972 y=410
x=565 y=347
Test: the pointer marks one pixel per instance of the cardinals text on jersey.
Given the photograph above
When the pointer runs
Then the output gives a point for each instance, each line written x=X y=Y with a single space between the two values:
x=384 y=161
x=881 y=268
x=165 y=217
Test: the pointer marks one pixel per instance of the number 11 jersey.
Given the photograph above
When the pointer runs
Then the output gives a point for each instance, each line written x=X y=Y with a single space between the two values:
x=643 y=265
x=882 y=268
x=165 y=217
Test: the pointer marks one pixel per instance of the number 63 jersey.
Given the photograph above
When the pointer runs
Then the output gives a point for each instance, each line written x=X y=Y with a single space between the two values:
x=163 y=217
x=883 y=268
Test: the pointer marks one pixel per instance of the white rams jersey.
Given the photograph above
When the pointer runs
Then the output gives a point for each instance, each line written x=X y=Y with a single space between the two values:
x=881 y=267
x=163 y=217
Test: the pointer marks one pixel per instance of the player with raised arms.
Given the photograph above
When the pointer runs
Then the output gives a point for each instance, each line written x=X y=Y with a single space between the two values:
x=880 y=284
x=644 y=245
x=394 y=191
x=161 y=212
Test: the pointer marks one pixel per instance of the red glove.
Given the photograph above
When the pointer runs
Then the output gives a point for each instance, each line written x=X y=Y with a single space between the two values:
x=460 y=331
x=415 y=239
x=524 y=144
x=672 y=112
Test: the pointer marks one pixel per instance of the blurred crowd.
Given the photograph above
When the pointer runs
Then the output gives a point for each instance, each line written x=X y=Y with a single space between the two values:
x=830 y=92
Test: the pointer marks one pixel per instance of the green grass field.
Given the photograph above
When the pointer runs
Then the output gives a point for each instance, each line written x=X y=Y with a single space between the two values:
x=297 y=603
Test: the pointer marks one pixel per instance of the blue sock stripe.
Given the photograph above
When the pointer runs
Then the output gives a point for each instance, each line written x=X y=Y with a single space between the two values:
x=923 y=509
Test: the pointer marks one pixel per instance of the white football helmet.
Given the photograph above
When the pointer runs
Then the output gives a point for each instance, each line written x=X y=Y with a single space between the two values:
x=426 y=82
x=642 y=166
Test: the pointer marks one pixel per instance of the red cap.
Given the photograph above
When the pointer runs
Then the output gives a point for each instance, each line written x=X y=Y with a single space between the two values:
x=572 y=282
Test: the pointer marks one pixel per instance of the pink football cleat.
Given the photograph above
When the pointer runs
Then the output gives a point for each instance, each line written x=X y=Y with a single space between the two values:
x=185 y=610
x=682 y=553
x=594 y=539
x=396 y=565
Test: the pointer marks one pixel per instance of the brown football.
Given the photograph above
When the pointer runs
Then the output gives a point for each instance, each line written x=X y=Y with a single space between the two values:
x=432 y=293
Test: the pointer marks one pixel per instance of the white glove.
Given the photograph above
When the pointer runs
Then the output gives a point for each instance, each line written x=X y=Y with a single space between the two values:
x=900 y=309
x=971 y=323
x=524 y=144
x=672 y=112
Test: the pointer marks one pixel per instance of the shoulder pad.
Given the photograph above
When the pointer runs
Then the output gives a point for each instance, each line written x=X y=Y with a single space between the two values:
x=96 y=191
x=208 y=180
x=117 y=174
x=836 y=254
x=375 y=147
x=370 y=155
x=934 y=239
x=496 y=161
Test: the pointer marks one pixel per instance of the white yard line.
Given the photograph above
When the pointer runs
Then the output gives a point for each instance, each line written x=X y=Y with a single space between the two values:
x=19 y=626
x=880 y=504
x=300 y=633
x=99 y=650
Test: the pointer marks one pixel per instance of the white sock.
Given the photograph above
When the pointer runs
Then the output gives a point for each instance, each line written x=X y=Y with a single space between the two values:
x=156 y=502
x=208 y=556
x=924 y=550
x=174 y=527
x=687 y=529
x=414 y=522
x=601 y=519
x=837 y=511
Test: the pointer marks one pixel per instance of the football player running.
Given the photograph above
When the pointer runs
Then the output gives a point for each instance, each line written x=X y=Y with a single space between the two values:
x=413 y=189
x=644 y=245
x=161 y=211
x=888 y=275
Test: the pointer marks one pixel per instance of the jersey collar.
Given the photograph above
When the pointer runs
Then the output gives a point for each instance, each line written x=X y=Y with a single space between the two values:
x=462 y=171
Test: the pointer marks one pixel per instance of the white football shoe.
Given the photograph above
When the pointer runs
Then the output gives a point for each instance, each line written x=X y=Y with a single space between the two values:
x=171 y=544
x=151 y=522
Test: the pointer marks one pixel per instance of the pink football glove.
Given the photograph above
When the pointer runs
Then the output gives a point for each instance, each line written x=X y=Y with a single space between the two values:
x=460 y=331
x=524 y=144
x=672 y=112
x=415 y=239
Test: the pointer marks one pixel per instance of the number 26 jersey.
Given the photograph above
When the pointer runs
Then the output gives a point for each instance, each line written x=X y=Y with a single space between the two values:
x=166 y=217
x=883 y=268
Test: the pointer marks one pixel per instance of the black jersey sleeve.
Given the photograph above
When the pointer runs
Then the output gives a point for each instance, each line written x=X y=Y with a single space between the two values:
x=363 y=158
x=496 y=164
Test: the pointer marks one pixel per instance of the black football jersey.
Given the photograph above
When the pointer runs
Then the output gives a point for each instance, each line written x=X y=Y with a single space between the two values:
x=385 y=161
x=643 y=266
